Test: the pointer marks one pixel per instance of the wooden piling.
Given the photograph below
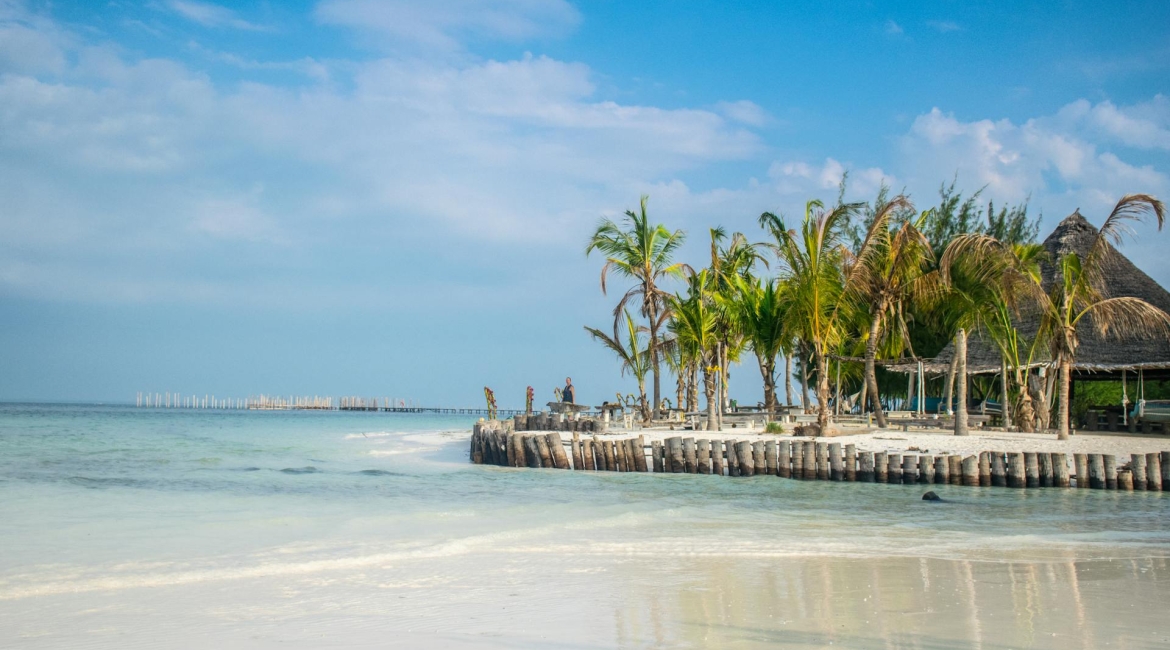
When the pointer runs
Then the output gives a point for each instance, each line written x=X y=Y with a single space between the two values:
x=1164 y=462
x=587 y=454
x=743 y=452
x=516 y=444
x=784 y=459
x=942 y=470
x=797 y=460
x=1044 y=460
x=759 y=458
x=926 y=469
x=578 y=457
x=836 y=462
x=1031 y=469
x=1081 y=467
x=732 y=458
x=610 y=456
x=771 y=456
x=909 y=469
x=691 y=463
x=639 y=445
x=1153 y=472
x=546 y=459
x=1096 y=472
x=850 y=463
x=998 y=470
x=970 y=468
x=656 y=453
x=865 y=469
x=1060 y=470
x=703 y=455
x=1015 y=470
x=717 y=457
x=1109 y=462
x=1137 y=465
x=894 y=469
x=810 y=460
x=955 y=469
x=674 y=451
x=881 y=468
x=532 y=452
x=985 y=469
x=822 y=462
x=1125 y=480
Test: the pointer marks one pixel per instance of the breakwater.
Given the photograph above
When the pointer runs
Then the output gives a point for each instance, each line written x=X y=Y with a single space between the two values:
x=529 y=442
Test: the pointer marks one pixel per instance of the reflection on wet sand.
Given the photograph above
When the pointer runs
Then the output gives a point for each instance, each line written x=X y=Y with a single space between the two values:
x=919 y=603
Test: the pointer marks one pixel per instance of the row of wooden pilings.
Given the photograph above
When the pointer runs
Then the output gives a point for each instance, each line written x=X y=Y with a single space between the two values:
x=493 y=443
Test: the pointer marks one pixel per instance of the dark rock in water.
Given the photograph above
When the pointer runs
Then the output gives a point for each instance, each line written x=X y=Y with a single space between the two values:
x=300 y=470
x=931 y=496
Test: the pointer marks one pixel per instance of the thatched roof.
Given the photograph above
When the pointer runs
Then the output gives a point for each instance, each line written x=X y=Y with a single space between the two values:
x=1095 y=353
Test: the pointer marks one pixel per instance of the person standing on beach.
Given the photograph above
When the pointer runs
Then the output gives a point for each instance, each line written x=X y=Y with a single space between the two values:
x=567 y=392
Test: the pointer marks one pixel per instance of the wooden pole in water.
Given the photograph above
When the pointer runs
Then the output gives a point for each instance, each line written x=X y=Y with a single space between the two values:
x=619 y=455
x=1081 y=467
x=703 y=455
x=732 y=458
x=1137 y=464
x=599 y=454
x=640 y=453
x=1109 y=461
x=1125 y=480
x=689 y=456
x=942 y=470
x=865 y=472
x=1044 y=463
x=1096 y=472
x=656 y=454
x=1031 y=470
x=784 y=460
x=771 y=454
x=810 y=460
x=1153 y=472
x=926 y=469
x=955 y=469
x=1015 y=470
x=1060 y=470
x=560 y=459
x=909 y=469
x=822 y=462
x=985 y=469
x=532 y=452
x=797 y=460
x=998 y=470
x=674 y=449
x=971 y=471
x=578 y=457
x=759 y=462
x=881 y=467
x=851 y=463
x=746 y=457
x=836 y=462
x=717 y=457
x=587 y=450
x=894 y=469
x=610 y=456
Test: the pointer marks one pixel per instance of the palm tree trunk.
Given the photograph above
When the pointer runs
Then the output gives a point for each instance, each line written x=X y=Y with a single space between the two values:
x=961 y=406
x=805 y=400
x=709 y=393
x=693 y=386
x=822 y=391
x=720 y=387
x=788 y=379
x=642 y=400
x=950 y=393
x=654 y=361
x=1007 y=404
x=680 y=386
x=769 y=389
x=1063 y=411
x=871 y=372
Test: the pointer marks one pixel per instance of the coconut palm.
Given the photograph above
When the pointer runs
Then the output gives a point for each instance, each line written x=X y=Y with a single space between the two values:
x=1078 y=292
x=759 y=308
x=694 y=325
x=634 y=358
x=643 y=252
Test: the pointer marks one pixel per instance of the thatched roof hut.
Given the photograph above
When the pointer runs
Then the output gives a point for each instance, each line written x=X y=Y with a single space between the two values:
x=1095 y=353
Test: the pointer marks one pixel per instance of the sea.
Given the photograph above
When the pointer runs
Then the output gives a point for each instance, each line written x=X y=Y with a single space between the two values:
x=124 y=527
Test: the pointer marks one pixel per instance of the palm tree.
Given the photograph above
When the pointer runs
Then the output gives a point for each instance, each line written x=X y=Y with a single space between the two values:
x=695 y=329
x=644 y=253
x=633 y=357
x=759 y=308
x=821 y=277
x=1078 y=291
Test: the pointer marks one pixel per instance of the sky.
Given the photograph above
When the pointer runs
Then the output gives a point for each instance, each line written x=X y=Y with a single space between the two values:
x=392 y=198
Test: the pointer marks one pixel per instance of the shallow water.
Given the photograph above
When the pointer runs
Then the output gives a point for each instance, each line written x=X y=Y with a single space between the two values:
x=138 y=528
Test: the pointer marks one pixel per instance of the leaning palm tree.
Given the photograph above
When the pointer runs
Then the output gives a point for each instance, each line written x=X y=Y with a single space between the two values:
x=634 y=359
x=1078 y=292
x=643 y=252
x=759 y=308
x=695 y=328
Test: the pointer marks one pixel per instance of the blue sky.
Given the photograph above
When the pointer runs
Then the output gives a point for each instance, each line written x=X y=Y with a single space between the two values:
x=392 y=198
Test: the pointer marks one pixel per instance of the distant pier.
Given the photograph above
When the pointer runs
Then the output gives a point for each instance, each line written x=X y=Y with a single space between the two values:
x=168 y=400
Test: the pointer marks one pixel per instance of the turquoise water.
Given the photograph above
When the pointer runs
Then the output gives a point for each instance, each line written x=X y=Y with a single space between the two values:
x=127 y=527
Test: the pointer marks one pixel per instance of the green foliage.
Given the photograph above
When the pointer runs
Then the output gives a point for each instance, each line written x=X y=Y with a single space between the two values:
x=774 y=427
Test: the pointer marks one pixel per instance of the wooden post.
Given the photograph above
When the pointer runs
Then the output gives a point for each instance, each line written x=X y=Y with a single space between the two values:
x=542 y=448
x=578 y=457
x=1031 y=469
x=610 y=456
x=942 y=470
x=1015 y=470
x=836 y=462
x=759 y=458
x=955 y=469
x=985 y=469
x=894 y=469
x=1125 y=480
x=1096 y=472
x=850 y=463
x=1109 y=461
x=732 y=458
x=717 y=457
x=1153 y=472
x=926 y=469
x=970 y=468
x=656 y=453
x=865 y=472
x=638 y=449
x=517 y=443
x=1081 y=467
x=532 y=452
x=1044 y=463
x=674 y=449
x=587 y=450
x=619 y=455
x=691 y=463
x=909 y=469
x=703 y=455
x=797 y=460
x=1137 y=464
x=1060 y=470
x=998 y=470
x=822 y=462
x=560 y=459
x=743 y=452
x=784 y=459
x=810 y=460
x=1164 y=461
x=771 y=454
x=881 y=467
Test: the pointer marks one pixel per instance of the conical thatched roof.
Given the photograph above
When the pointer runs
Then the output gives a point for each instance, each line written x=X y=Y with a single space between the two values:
x=1095 y=353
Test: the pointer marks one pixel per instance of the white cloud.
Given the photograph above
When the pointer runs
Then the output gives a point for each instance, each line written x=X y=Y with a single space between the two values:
x=744 y=111
x=944 y=26
x=442 y=24
x=893 y=29
x=212 y=15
